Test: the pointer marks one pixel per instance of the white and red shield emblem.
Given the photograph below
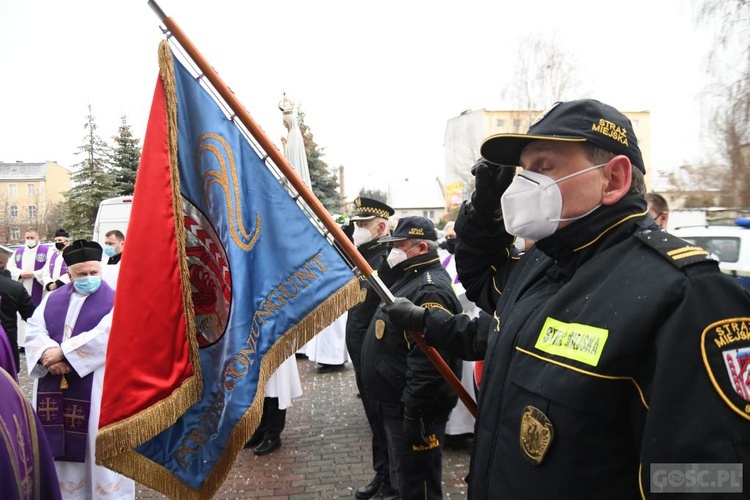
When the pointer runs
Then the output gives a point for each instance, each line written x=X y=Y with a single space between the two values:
x=210 y=280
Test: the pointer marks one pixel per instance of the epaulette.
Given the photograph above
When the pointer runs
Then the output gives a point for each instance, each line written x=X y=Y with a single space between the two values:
x=677 y=251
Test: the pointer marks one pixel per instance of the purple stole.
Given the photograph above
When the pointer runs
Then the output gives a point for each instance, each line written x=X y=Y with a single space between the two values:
x=65 y=413
x=26 y=465
x=39 y=262
x=52 y=262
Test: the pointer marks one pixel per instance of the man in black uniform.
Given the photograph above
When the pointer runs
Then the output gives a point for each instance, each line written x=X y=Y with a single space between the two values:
x=370 y=219
x=413 y=399
x=618 y=357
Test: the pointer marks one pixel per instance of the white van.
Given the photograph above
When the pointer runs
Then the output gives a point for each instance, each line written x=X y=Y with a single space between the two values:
x=114 y=213
x=729 y=244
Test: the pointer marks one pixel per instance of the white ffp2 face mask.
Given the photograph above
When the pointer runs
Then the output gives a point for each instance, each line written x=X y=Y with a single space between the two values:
x=532 y=204
x=361 y=235
x=396 y=257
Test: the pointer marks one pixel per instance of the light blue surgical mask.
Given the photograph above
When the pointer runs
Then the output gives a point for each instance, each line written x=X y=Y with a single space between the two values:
x=87 y=285
x=109 y=251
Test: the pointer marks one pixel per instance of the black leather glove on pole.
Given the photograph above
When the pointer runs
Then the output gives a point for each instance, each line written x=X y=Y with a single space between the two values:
x=414 y=428
x=402 y=313
x=490 y=182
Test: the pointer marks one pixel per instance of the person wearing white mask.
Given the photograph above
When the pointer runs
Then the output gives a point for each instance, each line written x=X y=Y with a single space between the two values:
x=27 y=265
x=66 y=349
x=370 y=220
x=613 y=355
x=412 y=397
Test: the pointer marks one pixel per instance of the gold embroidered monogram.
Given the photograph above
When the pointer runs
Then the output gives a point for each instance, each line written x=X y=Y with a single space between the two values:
x=536 y=434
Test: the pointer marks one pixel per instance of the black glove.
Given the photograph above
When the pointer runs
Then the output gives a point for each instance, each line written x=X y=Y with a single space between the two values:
x=490 y=182
x=348 y=230
x=402 y=313
x=414 y=428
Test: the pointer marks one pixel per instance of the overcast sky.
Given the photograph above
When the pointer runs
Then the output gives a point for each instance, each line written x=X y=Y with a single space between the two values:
x=377 y=81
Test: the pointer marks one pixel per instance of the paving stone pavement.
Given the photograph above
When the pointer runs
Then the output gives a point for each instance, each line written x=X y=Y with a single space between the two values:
x=325 y=452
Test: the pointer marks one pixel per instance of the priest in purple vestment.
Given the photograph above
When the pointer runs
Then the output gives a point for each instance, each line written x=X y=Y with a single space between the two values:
x=27 y=470
x=66 y=347
x=7 y=362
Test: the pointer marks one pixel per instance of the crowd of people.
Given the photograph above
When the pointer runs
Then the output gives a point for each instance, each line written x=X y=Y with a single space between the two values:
x=600 y=347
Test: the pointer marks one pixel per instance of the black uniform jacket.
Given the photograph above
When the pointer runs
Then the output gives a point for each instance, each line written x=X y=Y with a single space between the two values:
x=615 y=347
x=396 y=372
x=359 y=317
x=14 y=299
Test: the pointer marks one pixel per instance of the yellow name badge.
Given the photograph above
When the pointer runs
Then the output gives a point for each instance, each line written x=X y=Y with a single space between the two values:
x=582 y=343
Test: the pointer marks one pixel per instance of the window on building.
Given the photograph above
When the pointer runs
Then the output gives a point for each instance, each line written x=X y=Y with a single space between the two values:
x=30 y=190
x=32 y=212
x=12 y=190
x=516 y=124
x=15 y=233
x=13 y=211
x=428 y=214
x=500 y=123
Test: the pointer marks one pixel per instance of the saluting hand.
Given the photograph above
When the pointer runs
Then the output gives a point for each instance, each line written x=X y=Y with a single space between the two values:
x=490 y=182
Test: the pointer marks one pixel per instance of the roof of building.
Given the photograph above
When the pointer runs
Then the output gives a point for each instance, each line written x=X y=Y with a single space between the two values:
x=22 y=171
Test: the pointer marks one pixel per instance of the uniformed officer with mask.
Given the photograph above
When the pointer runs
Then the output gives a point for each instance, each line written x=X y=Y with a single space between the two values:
x=413 y=400
x=370 y=223
x=616 y=365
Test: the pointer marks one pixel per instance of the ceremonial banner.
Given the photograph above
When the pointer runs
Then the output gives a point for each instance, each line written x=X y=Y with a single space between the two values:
x=223 y=277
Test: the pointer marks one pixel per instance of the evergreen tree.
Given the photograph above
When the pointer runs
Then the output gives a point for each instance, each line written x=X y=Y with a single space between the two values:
x=324 y=183
x=92 y=182
x=125 y=159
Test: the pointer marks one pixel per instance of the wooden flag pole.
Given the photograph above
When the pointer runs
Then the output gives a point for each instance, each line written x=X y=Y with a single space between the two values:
x=306 y=193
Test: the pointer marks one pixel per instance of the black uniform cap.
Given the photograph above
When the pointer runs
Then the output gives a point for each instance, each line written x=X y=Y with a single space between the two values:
x=61 y=233
x=367 y=208
x=413 y=227
x=585 y=120
x=82 y=251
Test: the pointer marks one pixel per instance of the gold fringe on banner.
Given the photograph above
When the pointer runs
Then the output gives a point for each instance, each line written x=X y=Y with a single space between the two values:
x=157 y=477
x=115 y=439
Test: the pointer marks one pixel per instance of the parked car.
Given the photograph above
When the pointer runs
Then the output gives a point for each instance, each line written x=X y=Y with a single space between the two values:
x=730 y=245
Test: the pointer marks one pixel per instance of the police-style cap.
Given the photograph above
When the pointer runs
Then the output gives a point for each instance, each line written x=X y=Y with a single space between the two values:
x=585 y=120
x=82 y=251
x=367 y=208
x=61 y=233
x=413 y=227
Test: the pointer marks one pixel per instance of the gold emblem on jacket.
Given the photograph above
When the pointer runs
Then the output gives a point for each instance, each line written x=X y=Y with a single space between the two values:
x=536 y=434
x=379 y=329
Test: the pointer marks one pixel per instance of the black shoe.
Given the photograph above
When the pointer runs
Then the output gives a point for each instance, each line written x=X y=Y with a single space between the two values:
x=267 y=446
x=386 y=494
x=369 y=490
x=255 y=440
x=323 y=368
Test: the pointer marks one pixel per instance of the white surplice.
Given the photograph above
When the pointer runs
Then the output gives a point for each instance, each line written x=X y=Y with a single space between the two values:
x=86 y=353
x=329 y=346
